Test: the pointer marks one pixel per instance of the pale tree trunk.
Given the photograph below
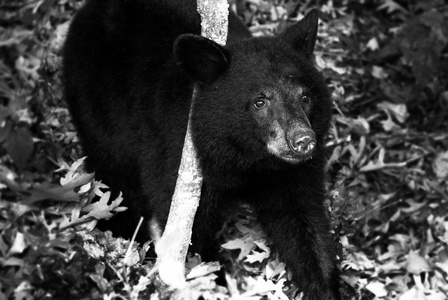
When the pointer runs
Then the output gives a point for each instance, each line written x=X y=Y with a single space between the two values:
x=173 y=245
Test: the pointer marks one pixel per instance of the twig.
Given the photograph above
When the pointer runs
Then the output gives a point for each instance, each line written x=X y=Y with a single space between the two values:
x=128 y=251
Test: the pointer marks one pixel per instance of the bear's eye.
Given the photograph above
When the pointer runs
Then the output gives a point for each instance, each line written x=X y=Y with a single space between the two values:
x=259 y=103
x=306 y=99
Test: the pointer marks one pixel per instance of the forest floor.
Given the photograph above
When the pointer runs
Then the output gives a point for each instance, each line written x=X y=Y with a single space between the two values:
x=387 y=67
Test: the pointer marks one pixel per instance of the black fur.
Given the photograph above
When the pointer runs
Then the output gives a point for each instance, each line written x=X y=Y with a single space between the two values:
x=129 y=70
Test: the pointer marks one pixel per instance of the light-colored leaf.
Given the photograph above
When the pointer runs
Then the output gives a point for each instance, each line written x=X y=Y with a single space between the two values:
x=377 y=288
x=71 y=171
x=18 y=245
x=239 y=244
x=380 y=164
x=256 y=256
x=141 y=286
x=360 y=126
x=59 y=37
x=261 y=243
x=204 y=269
x=98 y=277
x=414 y=205
x=373 y=44
x=24 y=291
x=399 y=111
x=378 y=72
x=440 y=165
x=274 y=268
x=391 y=6
x=96 y=211
x=416 y=264
x=12 y=262
x=102 y=210
x=389 y=124
x=94 y=250
x=259 y=286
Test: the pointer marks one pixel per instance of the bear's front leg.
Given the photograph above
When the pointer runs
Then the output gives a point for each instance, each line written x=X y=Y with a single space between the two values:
x=296 y=223
x=208 y=221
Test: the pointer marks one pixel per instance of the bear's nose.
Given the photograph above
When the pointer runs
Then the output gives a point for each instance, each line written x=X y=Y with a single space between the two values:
x=303 y=142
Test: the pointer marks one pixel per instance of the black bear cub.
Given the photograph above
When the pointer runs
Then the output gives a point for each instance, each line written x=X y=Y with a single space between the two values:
x=258 y=123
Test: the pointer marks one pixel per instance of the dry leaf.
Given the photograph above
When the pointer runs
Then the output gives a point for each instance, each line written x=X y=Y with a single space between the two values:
x=440 y=165
x=417 y=264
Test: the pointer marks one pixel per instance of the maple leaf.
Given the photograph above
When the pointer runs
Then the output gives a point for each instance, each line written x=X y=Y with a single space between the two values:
x=102 y=210
x=96 y=211
x=72 y=171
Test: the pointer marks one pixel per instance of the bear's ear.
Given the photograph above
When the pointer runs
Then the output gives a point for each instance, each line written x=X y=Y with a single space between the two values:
x=302 y=35
x=200 y=58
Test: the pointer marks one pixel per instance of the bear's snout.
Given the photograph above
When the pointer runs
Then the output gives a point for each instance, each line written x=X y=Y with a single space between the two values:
x=302 y=142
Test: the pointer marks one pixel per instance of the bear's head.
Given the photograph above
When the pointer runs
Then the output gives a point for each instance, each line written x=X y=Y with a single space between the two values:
x=259 y=100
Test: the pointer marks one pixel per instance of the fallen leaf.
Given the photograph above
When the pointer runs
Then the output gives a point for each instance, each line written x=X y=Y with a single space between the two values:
x=373 y=44
x=378 y=72
x=389 y=124
x=204 y=269
x=256 y=256
x=380 y=164
x=274 y=268
x=413 y=205
x=360 y=126
x=239 y=244
x=440 y=165
x=24 y=291
x=49 y=191
x=18 y=245
x=416 y=264
x=102 y=210
x=377 y=288
x=399 y=111
x=391 y=6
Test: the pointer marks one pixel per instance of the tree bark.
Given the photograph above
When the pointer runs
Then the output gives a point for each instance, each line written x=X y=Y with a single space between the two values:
x=173 y=245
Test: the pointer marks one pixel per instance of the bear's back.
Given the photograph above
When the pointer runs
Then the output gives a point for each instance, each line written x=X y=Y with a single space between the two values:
x=123 y=43
x=118 y=67
x=118 y=62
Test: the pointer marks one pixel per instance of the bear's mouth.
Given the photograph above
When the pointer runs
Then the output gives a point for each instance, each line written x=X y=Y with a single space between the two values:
x=295 y=159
